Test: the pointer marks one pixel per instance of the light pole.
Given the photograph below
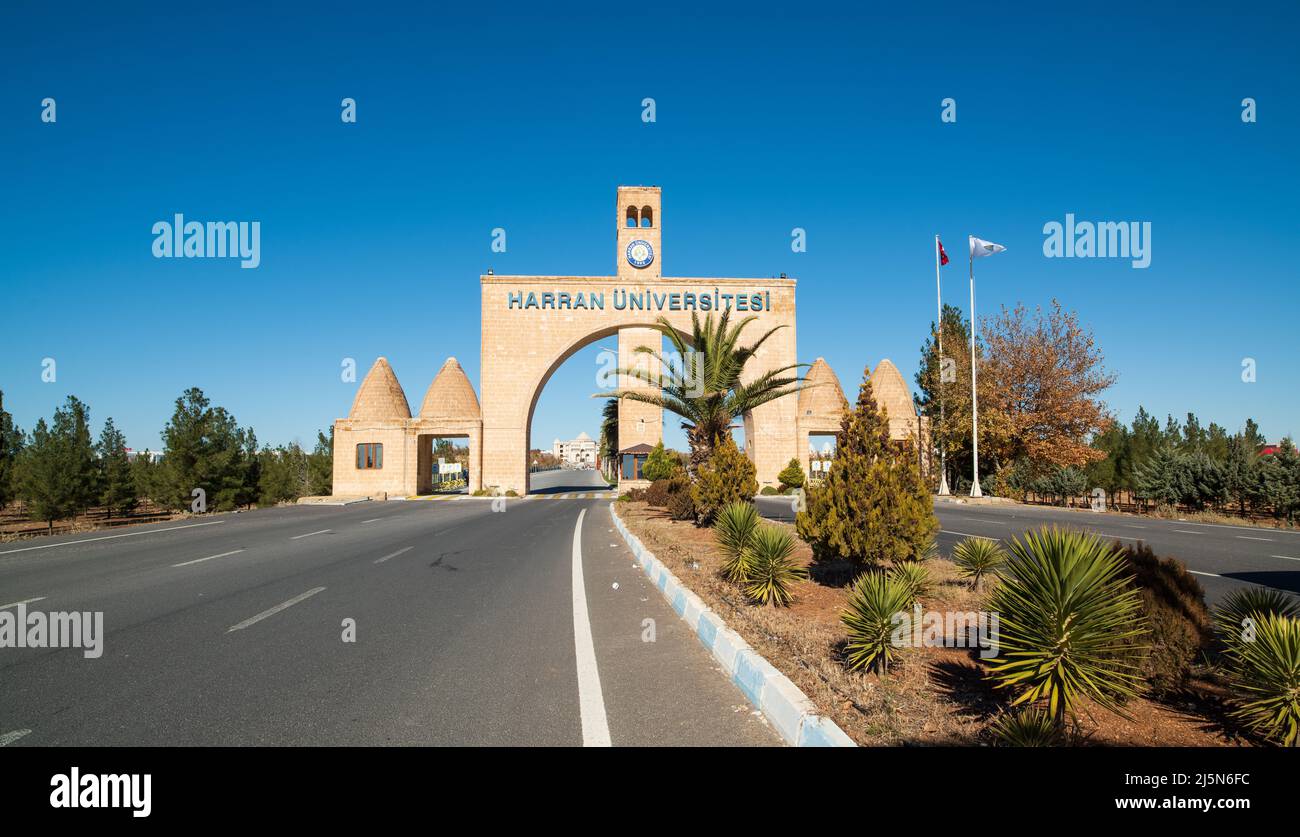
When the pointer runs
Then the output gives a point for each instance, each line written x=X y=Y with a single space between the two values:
x=979 y=248
x=938 y=296
x=974 y=391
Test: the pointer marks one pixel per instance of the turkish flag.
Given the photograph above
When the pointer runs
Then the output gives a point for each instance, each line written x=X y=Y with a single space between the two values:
x=943 y=257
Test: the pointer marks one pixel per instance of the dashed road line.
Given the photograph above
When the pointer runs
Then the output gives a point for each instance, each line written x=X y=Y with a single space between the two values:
x=209 y=558
x=23 y=602
x=394 y=554
x=1249 y=538
x=271 y=612
x=1285 y=557
x=967 y=535
x=112 y=537
x=309 y=534
x=10 y=737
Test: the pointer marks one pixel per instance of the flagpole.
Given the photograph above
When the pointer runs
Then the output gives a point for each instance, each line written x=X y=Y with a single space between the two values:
x=974 y=395
x=938 y=296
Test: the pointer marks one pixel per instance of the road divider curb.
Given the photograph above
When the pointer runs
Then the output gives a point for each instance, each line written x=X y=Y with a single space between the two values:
x=785 y=706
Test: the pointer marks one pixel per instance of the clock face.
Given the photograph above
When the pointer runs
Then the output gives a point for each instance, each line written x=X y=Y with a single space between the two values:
x=640 y=253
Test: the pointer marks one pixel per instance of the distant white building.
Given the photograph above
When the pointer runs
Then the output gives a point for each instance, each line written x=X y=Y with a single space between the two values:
x=579 y=451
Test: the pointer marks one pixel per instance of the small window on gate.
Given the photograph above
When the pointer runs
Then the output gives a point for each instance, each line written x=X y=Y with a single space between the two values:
x=370 y=455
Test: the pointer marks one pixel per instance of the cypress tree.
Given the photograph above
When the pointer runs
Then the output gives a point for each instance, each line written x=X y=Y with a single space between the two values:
x=873 y=507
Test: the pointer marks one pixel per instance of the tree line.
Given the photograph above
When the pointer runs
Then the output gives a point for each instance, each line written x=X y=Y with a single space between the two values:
x=59 y=470
x=1045 y=430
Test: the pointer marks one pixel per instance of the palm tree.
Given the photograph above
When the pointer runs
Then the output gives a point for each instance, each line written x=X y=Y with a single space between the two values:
x=704 y=388
x=609 y=436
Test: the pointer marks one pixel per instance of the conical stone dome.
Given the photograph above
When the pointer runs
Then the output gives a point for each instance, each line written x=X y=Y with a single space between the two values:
x=451 y=395
x=821 y=394
x=891 y=391
x=380 y=396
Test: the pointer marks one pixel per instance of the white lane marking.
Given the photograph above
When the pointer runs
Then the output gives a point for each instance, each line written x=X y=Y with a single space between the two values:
x=394 y=555
x=591 y=701
x=981 y=520
x=24 y=601
x=259 y=617
x=1240 y=528
x=209 y=558
x=1108 y=535
x=372 y=520
x=10 y=737
x=1238 y=580
x=1249 y=538
x=967 y=535
x=1189 y=532
x=309 y=534
x=111 y=537
x=1286 y=557
x=1127 y=526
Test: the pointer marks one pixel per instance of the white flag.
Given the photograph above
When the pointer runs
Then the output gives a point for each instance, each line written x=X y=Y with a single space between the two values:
x=980 y=248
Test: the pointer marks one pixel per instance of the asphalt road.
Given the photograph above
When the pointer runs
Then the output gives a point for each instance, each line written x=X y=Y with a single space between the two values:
x=1222 y=557
x=472 y=627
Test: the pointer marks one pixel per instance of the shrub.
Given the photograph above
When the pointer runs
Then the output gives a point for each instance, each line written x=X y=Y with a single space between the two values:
x=657 y=494
x=1251 y=603
x=771 y=571
x=873 y=507
x=659 y=465
x=875 y=598
x=727 y=477
x=1268 y=676
x=977 y=557
x=681 y=506
x=915 y=577
x=733 y=530
x=1174 y=606
x=768 y=491
x=1030 y=727
x=791 y=476
x=1068 y=618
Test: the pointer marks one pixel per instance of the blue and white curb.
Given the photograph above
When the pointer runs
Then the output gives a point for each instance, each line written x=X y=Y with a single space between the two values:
x=784 y=705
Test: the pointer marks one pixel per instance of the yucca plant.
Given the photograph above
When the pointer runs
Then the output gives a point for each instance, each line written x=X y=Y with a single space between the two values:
x=1267 y=674
x=1032 y=726
x=1069 y=617
x=874 y=601
x=928 y=551
x=1251 y=603
x=978 y=557
x=733 y=528
x=771 y=571
x=915 y=577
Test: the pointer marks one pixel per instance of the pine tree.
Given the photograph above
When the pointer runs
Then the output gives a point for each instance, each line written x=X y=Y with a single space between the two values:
x=57 y=474
x=873 y=507
x=1162 y=479
x=320 y=465
x=11 y=445
x=117 y=483
x=46 y=476
x=205 y=448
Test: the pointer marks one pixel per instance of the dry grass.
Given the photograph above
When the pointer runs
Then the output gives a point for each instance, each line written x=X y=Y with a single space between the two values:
x=933 y=696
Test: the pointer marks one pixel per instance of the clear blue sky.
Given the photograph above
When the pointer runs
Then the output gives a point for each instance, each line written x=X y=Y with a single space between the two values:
x=527 y=118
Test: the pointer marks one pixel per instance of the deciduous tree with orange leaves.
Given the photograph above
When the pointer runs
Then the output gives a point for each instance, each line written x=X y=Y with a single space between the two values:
x=1045 y=377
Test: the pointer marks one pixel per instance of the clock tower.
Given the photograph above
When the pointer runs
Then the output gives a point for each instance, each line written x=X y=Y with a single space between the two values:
x=638 y=262
x=639 y=221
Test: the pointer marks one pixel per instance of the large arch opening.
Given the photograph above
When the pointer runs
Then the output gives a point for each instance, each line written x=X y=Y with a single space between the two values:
x=567 y=409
